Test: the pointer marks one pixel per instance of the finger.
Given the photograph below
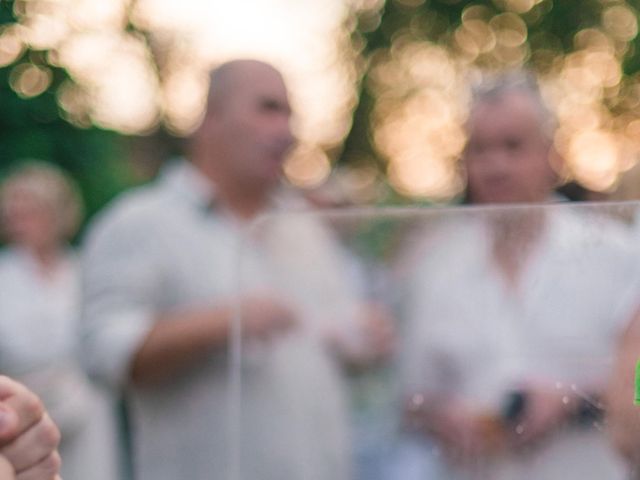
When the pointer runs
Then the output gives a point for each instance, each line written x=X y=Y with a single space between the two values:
x=20 y=409
x=33 y=446
x=8 y=387
x=9 y=424
x=46 y=469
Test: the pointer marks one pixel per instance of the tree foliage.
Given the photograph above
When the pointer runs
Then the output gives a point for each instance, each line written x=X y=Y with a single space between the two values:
x=34 y=127
x=552 y=33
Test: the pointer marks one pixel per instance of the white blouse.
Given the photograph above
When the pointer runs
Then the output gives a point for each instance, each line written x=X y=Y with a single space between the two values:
x=38 y=320
x=474 y=338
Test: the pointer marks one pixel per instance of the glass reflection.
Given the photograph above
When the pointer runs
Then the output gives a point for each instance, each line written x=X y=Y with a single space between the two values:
x=463 y=343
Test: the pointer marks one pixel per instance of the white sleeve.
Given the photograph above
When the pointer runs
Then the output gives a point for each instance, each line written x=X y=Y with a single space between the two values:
x=120 y=277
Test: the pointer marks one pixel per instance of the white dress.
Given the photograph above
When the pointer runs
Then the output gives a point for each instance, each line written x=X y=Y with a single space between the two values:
x=38 y=332
x=476 y=339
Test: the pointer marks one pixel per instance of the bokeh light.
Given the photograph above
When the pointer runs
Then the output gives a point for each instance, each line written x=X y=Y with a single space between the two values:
x=135 y=64
x=11 y=45
x=307 y=166
x=418 y=119
x=29 y=80
x=131 y=79
x=421 y=92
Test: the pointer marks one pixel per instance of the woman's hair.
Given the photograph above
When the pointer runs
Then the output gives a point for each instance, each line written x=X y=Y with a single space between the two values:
x=494 y=87
x=51 y=186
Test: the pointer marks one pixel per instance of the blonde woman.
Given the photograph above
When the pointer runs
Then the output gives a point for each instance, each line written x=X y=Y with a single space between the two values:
x=40 y=211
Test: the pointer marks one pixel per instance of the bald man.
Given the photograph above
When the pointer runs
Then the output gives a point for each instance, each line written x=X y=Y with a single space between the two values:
x=161 y=290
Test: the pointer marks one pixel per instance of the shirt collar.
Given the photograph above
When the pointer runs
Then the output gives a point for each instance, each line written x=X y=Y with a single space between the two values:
x=189 y=183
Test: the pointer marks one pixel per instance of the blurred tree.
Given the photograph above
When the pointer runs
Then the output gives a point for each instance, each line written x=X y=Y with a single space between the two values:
x=413 y=57
x=33 y=126
x=546 y=36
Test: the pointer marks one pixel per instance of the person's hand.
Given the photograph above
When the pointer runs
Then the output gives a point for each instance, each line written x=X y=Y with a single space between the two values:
x=548 y=407
x=464 y=433
x=378 y=333
x=370 y=340
x=28 y=437
x=263 y=317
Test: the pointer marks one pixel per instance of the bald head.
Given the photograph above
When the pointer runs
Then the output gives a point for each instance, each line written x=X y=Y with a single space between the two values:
x=234 y=77
x=245 y=134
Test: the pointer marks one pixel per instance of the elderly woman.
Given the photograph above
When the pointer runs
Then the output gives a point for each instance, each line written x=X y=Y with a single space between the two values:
x=40 y=210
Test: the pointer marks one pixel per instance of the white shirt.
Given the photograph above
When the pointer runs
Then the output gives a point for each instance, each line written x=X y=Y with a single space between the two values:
x=474 y=338
x=38 y=321
x=163 y=247
x=38 y=313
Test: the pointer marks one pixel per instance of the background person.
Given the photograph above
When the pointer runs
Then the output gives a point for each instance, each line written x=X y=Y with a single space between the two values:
x=39 y=299
x=162 y=291
x=514 y=313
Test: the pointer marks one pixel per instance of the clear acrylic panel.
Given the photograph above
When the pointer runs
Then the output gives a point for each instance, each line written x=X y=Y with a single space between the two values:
x=436 y=343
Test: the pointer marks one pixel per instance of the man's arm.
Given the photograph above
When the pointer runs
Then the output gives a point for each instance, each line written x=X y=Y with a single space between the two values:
x=125 y=336
x=28 y=437
x=369 y=341
x=177 y=341
x=180 y=339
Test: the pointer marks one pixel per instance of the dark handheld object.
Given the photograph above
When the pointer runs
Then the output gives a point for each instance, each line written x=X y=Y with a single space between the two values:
x=515 y=405
x=588 y=412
